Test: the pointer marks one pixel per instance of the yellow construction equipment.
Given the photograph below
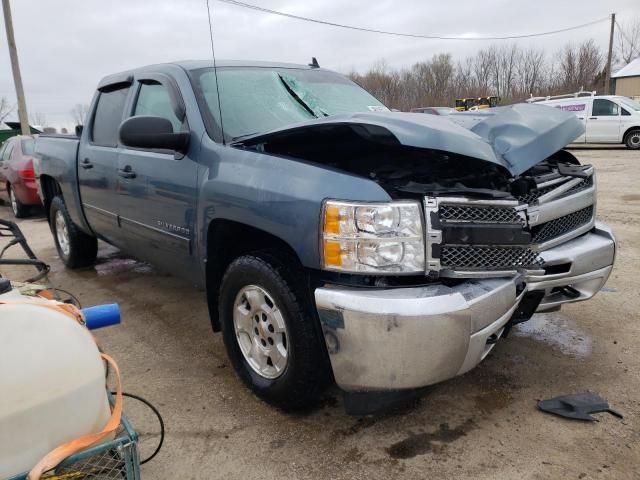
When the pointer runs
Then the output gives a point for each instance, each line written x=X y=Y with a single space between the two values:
x=488 y=102
x=464 y=104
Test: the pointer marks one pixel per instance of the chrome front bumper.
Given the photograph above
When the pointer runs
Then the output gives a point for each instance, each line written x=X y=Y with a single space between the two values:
x=391 y=339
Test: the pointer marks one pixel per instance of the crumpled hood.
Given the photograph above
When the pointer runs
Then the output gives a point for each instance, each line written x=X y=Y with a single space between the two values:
x=515 y=137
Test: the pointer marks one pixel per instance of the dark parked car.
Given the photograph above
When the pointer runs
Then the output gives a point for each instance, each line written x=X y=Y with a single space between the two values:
x=17 y=175
x=337 y=240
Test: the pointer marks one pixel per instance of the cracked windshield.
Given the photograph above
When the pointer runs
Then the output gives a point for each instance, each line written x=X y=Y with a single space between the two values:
x=257 y=100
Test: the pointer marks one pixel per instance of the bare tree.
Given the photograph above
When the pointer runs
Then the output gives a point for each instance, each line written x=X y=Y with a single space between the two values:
x=628 y=41
x=503 y=69
x=482 y=66
x=38 y=118
x=580 y=66
x=507 y=71
x=79 y=113
x=6 y=109
x=530 y=69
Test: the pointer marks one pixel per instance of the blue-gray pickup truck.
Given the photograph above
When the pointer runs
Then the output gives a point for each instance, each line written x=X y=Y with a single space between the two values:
x=336 y=240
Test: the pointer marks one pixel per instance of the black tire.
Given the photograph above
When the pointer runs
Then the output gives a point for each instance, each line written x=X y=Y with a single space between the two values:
x=632 y=139
x=305 y=375
x=20 y=210
x=82 y=248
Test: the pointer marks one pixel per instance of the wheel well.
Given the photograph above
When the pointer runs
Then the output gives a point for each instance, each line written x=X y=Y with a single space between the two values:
x=228 y=240
x=629 y=130
x=50 y=189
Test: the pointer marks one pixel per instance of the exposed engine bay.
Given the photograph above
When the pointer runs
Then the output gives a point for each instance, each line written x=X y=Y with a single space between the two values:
x=410 y=172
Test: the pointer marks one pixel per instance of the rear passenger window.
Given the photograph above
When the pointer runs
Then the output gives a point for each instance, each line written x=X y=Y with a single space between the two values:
x=6 y=154
x=154 y=99
x=604 y=108
x=108 y=117
x=28 y=146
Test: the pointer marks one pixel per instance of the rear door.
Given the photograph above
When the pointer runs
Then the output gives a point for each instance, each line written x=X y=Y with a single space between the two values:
x=603 y=125
x=157 y=188
x=98 y=161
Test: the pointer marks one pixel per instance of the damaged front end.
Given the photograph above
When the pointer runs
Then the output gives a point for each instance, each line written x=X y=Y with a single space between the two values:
x=496 y=187
x=509 y=228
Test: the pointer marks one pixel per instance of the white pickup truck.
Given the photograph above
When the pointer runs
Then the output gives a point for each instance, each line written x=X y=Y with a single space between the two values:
x=607 y=118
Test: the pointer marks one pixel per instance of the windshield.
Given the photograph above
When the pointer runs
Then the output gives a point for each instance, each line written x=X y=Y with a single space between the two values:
x=27 y=146
x=630 y=103
x=256 y=100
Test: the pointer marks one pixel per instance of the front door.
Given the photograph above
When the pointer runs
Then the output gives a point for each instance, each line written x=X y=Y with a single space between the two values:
x=603 y=125
x=157 y=188
x=98 y=163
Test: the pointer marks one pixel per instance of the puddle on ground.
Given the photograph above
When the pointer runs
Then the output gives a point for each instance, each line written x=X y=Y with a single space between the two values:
x=116 y=265
x=491 y=400
x=556 y=330
x=422 y=443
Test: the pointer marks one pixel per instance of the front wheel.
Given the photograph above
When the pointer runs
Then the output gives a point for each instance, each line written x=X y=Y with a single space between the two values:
x=269 y=333
x=632 y=140
x=75 y=248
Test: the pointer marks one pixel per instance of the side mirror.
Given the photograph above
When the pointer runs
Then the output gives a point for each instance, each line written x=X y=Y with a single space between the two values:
x=78 y=130
x=147 y=131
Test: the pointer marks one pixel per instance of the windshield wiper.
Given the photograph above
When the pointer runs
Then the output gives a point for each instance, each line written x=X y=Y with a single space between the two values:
x=291 y=87
x=245 y=135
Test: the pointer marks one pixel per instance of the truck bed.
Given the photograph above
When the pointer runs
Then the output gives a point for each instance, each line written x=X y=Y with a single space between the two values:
x=56 y=156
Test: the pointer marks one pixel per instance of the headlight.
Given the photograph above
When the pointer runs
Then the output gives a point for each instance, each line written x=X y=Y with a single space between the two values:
x=373 y=238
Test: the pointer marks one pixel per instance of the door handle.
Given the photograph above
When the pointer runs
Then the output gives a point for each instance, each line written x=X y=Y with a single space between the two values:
x=593 y=118
x=86 y=164
x=127 y=172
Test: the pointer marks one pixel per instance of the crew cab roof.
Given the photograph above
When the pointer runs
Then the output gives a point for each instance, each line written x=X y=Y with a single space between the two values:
x=127 y=75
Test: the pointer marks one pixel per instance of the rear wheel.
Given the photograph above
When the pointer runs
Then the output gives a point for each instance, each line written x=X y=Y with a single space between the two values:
x=75 y=248
x=632 y=139
x=269 y=334
x=19 y=209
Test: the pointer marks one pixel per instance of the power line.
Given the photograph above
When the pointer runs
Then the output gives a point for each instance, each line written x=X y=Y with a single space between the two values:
x=401 y=34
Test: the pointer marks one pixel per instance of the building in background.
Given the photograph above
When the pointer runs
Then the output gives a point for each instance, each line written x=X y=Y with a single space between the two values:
x=627 y=80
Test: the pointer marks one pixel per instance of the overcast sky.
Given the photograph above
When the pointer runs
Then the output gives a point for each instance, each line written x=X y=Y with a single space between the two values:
x=65 y=47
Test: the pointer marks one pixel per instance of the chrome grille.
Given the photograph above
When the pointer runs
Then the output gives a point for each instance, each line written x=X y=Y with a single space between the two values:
x=489 y=214
x=560 y=226
x=532 y=197
x=487 y=258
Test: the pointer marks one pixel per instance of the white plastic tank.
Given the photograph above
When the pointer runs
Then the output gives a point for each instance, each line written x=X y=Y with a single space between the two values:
x=52 y=381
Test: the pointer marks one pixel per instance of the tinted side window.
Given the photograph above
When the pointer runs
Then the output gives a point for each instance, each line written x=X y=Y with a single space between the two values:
x=603 y=107
x=108 y=117
x=6 y=155
x=625 y=112
x=154 y=99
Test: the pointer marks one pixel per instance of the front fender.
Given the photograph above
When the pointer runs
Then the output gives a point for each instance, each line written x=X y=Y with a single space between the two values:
x=280 y=196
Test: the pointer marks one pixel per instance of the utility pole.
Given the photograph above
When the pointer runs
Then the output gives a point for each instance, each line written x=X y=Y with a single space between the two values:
x=607 y=78
x=15 y=67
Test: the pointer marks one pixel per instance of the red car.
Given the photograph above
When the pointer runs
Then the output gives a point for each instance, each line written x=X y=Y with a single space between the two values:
x=17 y=174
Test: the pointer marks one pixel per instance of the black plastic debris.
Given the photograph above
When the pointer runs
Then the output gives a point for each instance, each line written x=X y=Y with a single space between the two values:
x=577 y=406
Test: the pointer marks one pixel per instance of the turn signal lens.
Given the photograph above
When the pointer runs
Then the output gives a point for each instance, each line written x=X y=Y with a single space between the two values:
x=332 y=253
x=332 y=219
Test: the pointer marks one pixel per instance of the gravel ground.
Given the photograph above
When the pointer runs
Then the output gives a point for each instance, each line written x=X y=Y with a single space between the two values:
x=481 y=425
